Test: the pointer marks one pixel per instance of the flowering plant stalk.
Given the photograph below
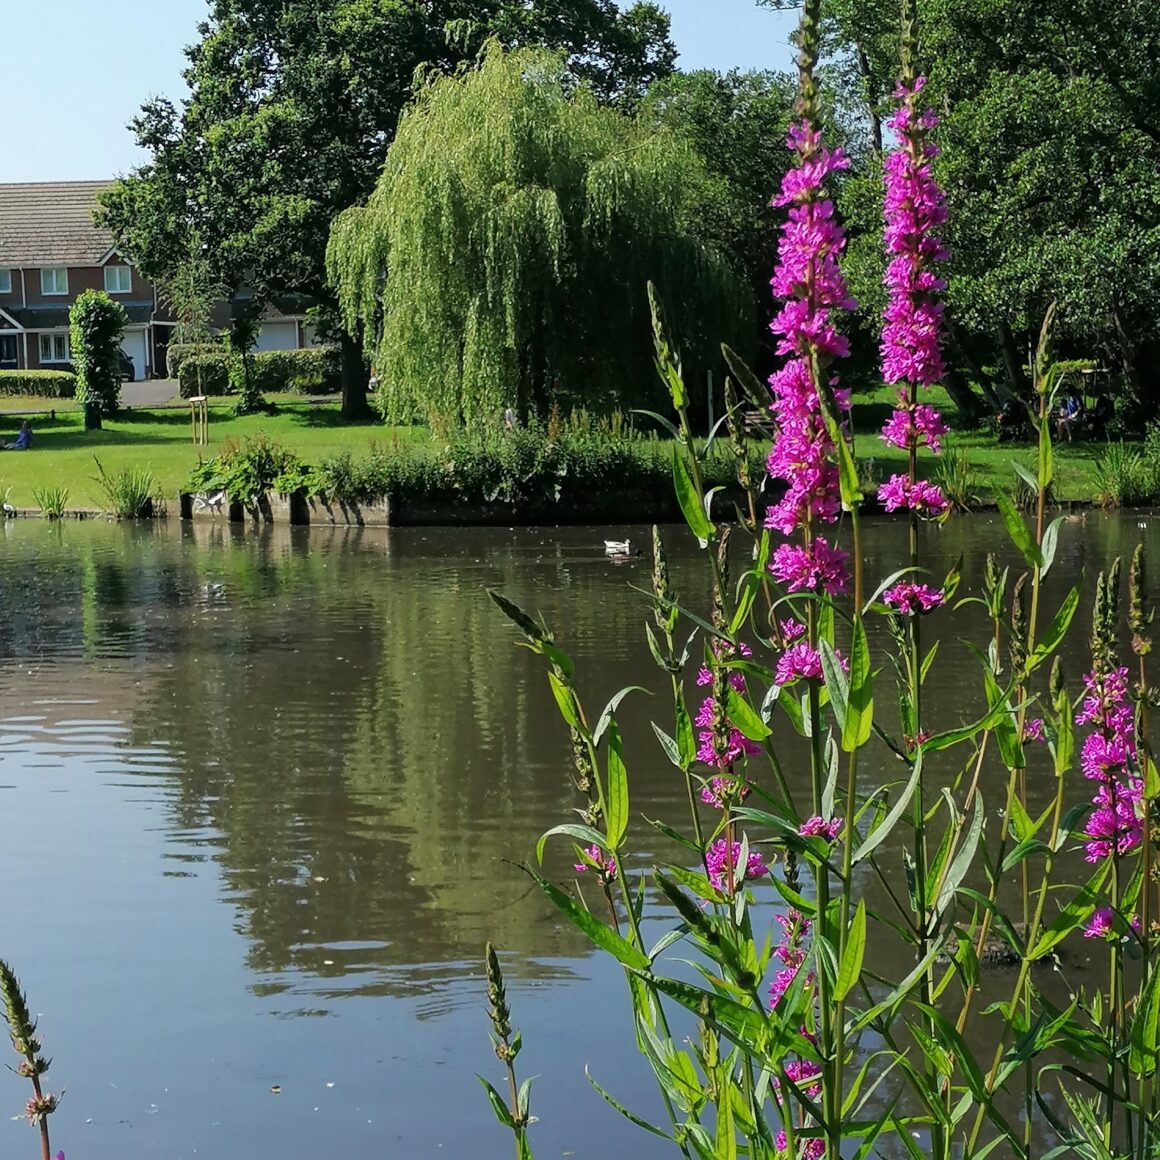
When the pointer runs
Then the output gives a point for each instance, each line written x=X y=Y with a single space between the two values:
x=802 y=1045
x=33 y=1065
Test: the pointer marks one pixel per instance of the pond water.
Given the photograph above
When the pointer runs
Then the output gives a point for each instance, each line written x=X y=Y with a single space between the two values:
x=264 y=797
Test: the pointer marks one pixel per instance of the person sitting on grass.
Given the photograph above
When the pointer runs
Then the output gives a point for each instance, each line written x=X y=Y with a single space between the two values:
x=23 y=439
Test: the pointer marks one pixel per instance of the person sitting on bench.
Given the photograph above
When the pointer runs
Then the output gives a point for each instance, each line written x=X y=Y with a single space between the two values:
x=23 y=439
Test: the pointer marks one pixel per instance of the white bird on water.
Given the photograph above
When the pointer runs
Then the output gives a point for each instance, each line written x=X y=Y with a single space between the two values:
x=9 y=510
x=618 y=547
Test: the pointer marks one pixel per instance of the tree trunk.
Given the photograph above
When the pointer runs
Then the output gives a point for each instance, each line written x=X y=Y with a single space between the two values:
x=1133 y=409
x=354 y=378
x=970 y=406
x=963 y=349
x=1013 y=361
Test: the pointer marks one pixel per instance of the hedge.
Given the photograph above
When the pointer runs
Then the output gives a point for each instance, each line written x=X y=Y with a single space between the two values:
x=312 y=371
x=50 y=384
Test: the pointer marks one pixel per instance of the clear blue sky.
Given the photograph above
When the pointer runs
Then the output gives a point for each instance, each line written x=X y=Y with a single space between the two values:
x=77 y=70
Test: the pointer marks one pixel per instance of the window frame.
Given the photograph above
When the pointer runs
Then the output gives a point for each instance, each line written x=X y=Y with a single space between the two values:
x=52 y=339
x=129 y=278
x=54 y=270
x=5 y=280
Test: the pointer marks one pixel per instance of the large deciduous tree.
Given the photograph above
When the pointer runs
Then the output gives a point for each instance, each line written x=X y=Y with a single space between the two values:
x=520 y=222
x=292 y=106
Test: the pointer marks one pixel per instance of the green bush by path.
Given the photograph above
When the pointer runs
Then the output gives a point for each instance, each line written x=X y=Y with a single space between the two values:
x=310 y=371
x=39 y=384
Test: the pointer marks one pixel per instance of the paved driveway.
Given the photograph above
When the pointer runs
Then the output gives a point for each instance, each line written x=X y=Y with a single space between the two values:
x=149 y=393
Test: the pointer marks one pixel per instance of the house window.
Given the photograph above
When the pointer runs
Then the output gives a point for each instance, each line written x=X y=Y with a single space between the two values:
x=118 y=279
x=54 y=348
x=54 y=280
x=5 y=281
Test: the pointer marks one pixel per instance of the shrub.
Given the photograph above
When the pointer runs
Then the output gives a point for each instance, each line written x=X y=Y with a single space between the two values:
x=957 y=478
x=96 y=324
x=178 y=352
x=1126 y=477
x=50 y=384
x=249 y=470
x=204 y=374
x=316 y=370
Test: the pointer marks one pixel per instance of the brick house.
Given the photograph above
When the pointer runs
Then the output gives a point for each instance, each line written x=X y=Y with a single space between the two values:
x=51 y=250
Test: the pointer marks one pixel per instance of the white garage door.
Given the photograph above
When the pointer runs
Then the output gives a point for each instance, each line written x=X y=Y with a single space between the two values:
x=133 y=344
x=277 y=336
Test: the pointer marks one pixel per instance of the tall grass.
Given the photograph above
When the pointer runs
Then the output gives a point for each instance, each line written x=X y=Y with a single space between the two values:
x=1126 y=477
x=128 y=493
x=51 y=501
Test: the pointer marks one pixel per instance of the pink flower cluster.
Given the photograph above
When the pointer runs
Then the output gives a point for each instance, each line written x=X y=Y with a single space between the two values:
x=910 y=598
x=818 y=827
x=915 y=211
x=1109 y=758
x=719 y=743
x=722 y=792
x=917 y=426
x=817 y=566
x=922 y=497
x=1033 y=729
x=791 y=952
x=1102 y=923
x=808 y=279
x=813 y=1148
x=721 y=862
x=593 y=858
x=801 y=662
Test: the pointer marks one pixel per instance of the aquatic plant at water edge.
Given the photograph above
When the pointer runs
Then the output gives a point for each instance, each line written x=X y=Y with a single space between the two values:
x=512 y=1112
x=803 y=1045
x=33 y=1066
x=51 y=501
x=1125 y=477
x=129 y=493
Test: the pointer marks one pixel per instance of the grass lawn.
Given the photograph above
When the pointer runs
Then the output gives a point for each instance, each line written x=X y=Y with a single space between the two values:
x=162 y=440
x=1075 y=463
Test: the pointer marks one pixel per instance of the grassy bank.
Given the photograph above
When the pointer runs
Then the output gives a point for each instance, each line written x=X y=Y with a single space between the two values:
x=62 y=454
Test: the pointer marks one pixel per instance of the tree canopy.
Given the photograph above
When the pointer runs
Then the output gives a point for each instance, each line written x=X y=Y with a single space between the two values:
x=292 y=106
x=520 y=221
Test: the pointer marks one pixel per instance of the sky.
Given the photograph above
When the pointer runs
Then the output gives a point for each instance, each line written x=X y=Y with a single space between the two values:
x=84 y=67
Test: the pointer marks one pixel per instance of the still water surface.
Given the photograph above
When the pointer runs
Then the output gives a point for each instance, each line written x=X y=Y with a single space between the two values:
x=256 y=835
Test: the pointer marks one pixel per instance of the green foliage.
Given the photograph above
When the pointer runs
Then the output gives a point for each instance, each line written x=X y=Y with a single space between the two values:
x=129 y=493
x=291 y=110
x=51 y=384
x=252 y=469
x=1127 y=477
x=96 y=324
x=579 y=469
x=521 y=222
x=311 y=371
x=51 y=500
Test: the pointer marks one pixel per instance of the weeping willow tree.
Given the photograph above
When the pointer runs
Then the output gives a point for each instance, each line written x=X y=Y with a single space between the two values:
x=504 y=256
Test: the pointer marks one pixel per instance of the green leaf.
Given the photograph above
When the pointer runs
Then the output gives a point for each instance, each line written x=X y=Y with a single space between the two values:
x=1145 y=1035
x=1056 y=630
x=928 y=660
x=1050 y=543
x=564 y=700
x=624 y=1111
x=585 y=834
x=1073 y=915
x=616 y=799
x=668 y=745
x=757 y=391
x=882 y=831
x=691 y=505
x=1018 y=531
x=609 y=709
x=502 y=1112
x=602 y=935
x=533 y=631
x=850 y=969
x=686 y=742
x=1026 y=474
x=962 y=859
x=741 y=713
x=836 y=682
x=860 y=711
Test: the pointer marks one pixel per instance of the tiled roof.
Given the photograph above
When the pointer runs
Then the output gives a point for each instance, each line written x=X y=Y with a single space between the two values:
x=51 y=224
